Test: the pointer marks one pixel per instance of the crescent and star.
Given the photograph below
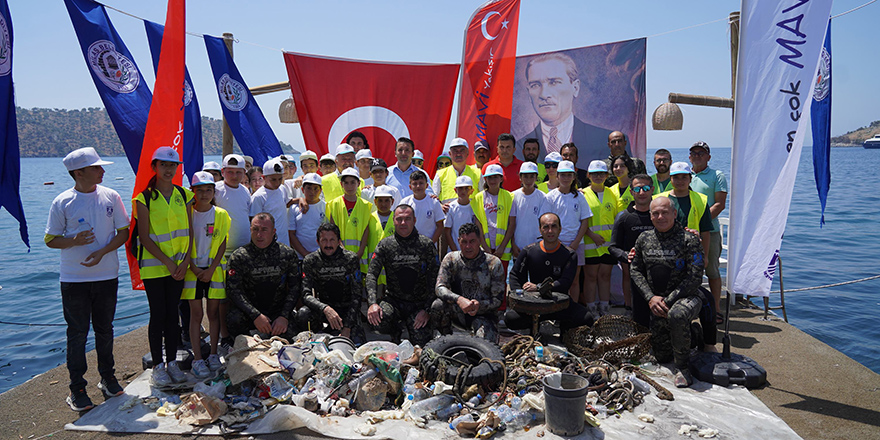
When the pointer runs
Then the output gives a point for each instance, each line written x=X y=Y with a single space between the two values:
x=486 y=33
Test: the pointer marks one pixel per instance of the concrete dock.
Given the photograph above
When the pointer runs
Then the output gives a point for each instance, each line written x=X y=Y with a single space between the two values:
x=815 y=389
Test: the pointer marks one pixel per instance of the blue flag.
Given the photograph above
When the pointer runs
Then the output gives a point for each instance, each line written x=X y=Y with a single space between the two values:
x=243 y=115
x=820 y=121
x=193 y=156
x=10 y=169
x=117 y=78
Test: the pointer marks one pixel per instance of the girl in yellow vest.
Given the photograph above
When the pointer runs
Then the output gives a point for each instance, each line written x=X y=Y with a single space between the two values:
x=164 y=216
x=622 y=167
x=207 y=275
x=551 y=163
x=381 y=225
x=352 y=215
x=494 y=210
x=598 y=262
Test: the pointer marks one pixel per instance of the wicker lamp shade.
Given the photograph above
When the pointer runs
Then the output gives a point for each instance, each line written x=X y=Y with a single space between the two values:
x=287 y=112
x=667 y=117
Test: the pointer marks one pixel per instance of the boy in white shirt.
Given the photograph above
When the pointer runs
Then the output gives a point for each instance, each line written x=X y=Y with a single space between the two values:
x=304 y=226
x=529 y=202
x=235 y=198
x=378 y=174
x=308 y=162
x=273 y=198
x=429 y=212
x=88 y=223
x=460 y=211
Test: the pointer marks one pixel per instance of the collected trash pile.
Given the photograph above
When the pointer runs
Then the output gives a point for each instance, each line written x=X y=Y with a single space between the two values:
x=474 y=385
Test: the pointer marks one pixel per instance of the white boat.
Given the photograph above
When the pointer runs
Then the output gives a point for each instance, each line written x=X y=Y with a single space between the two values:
x=874 y=142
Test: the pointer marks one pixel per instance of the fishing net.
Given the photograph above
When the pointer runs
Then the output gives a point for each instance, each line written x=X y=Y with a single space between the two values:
x=614 y=338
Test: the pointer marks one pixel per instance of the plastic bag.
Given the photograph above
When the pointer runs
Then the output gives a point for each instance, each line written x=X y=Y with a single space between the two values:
x=297 y=359
x=383 y=349
x=218 y=389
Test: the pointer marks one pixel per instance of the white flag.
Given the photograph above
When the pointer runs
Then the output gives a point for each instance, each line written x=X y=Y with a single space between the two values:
x=779 y=50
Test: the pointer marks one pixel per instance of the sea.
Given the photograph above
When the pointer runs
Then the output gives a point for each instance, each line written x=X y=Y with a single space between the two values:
x=32 y=330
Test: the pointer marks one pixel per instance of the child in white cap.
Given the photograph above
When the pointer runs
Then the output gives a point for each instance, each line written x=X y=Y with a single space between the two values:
x=304 y=225
x=273 y=198
x=529 y=203
x=460 y=211
x=598 y=261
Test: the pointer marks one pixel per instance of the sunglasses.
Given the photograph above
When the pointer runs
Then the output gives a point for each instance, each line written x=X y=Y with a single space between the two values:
x=551 y=164
x=644 y=188
x=444 y=163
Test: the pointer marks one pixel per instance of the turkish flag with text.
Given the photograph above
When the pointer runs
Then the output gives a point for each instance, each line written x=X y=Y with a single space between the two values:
x=385 y=101
x=165 y=121
x=488 y=65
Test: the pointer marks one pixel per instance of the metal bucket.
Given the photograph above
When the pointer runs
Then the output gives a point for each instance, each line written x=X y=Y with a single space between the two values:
x=565 y=399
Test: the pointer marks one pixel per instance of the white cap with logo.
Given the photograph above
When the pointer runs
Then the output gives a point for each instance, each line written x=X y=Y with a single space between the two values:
x=458 y=142
x=493 y=170
x=211 y=166
x=679 y=168
x=349 y=172
x=308 y=154
x=363 y=154
x=598 y=166
x=566 y=166
x=202 y=178
x=83 y=157
x=344 y=149
x=166 y=154
x=418 y=155
x=329 y=157
x=312 y=178
x=383 y=191
x=528 y=167
x=248 y=159
x=463 y=181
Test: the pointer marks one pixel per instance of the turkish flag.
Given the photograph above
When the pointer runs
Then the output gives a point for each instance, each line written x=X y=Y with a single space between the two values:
x=385 y=101
x=165 y=121
x=488 y=65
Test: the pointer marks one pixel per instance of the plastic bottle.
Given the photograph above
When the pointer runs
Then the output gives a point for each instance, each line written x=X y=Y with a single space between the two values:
x=519 y=420
x=83 y=225
x=409 y=384
x=420 y=394
x=539 y=353
x=522 y=382
x=444 y=413
x=474 y=401
x=469 y=417
x=431 y=405
x=406 y=350
x=356 y=383
x=516 y=403
x=503 y=412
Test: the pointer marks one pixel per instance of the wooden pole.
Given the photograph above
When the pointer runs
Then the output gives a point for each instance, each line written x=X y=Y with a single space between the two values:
x=733 y=19
x=227 y=133
x=707 y=101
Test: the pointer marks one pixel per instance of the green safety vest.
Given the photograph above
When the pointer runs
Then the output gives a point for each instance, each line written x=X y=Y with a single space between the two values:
x=331 y=186
x=447 y=178
x=217 y=287
x=626 y=198
x=169 y=229
x=505 y=203
x=698 y=207
x=351 y=227
x=602 y=220
x=657 y=189
x=377 y=233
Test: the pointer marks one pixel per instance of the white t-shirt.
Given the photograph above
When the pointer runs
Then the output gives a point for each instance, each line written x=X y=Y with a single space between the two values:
x=457 y=216
x=529 y=208
x=306 y=225
x=571 y=209
x=369 y=194
x=294 y=192
x=102 y=211
x=203 y=223
x=273 y=201
x=428 y=212
x=237 y=202
x=490 y=205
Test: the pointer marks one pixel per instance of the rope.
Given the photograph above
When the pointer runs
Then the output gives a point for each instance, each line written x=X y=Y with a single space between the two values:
x=853 y=9
x=65 y=325
x=830 y=285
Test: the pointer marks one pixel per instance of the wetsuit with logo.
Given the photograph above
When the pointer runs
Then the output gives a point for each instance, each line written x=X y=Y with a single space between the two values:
x=480 y=278
x=332 y=281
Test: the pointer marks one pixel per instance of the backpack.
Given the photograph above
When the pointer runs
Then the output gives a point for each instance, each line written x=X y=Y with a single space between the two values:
x=133 y=242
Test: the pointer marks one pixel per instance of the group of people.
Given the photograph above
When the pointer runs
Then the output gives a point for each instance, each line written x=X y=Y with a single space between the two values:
x=305 y=253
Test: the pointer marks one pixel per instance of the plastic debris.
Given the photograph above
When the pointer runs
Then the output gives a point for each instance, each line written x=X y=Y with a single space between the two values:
x=199 y=409
x=217 y=389
x=366 y=429
x=647 y=418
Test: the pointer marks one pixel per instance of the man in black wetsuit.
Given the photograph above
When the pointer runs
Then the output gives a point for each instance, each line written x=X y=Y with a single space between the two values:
x=538 y=261
x=667 y=268
x=263 y=284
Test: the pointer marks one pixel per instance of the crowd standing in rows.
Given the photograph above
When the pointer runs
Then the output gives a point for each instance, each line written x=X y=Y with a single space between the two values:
x=275 y=255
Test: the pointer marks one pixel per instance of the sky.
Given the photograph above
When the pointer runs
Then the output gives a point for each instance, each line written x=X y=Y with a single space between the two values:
x=49 y=70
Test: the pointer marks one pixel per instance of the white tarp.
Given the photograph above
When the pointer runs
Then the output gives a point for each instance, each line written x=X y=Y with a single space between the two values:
x=779 y=50
x=734 y=412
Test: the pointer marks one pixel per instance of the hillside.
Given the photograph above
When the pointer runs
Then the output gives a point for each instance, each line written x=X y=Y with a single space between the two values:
x=856 y=137
x=45 y=132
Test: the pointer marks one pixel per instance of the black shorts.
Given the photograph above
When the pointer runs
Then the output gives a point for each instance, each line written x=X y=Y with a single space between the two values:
x=601 y=259
x=202 y=289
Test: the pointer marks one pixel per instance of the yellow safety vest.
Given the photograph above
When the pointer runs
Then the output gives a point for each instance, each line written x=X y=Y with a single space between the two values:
x=352 y=227
x=698 y=207
x=331 y=186
x=505 y=202
x=377 y=233
x=657 y=189
x=625 y=198
x=169 y=229
x=217 y=287
x=447 y=181
x=602 y=220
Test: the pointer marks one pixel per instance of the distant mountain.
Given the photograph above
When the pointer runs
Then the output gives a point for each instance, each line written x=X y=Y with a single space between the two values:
x=856 y=137
x=46 y=132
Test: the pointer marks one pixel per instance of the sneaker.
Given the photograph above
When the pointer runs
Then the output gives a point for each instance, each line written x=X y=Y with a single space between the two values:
x=594 y=310
x=174 y=372
x=214 y=362
x=110 y=387
x=160 y=376
x=200 y=369
x=604 y=309
x=79 y=401
x=683 y=378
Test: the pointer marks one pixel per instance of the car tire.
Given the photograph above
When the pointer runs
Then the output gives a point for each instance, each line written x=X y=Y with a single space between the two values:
x=486 y=374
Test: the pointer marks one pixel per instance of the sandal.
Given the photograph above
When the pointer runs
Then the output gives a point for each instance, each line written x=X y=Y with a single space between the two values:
x=719 y=319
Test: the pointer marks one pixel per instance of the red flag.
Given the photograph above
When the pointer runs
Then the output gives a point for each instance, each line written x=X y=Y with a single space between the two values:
x=384 y=101
x=165 y=122
x=488 y=65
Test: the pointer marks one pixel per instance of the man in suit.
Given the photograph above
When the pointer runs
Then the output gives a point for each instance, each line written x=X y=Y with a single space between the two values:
x=553 y=84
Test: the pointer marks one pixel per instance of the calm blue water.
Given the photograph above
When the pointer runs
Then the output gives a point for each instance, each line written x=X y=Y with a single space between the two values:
x=843 y=250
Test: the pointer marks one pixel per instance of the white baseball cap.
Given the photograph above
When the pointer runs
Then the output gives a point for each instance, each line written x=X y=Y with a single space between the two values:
x=383 y=191
x=312 y=178
x=565 y=166
x=329 y=157
x=463 y=181
x=679 y=168
x=598 y=166
x=418 y=155
x=248 y=159
x=493 y=170
x=553 y=157
x=202 y=178
x=308 y=154
x=528 y=167
x=211 y=166
x=458 y=142
x=83 y=157
x=363 y=154
x=166 y=154
x=344 y=149
x=349 y=172
x=273 y=166
x=234 y=161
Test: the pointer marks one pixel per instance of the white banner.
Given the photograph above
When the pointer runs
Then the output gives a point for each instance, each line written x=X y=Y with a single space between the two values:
x=779 y=50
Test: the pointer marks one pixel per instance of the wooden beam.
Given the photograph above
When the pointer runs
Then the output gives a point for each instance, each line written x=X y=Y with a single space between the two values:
x=708 y=101
x=269 y=88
